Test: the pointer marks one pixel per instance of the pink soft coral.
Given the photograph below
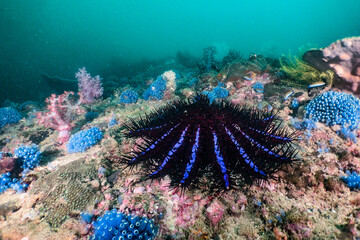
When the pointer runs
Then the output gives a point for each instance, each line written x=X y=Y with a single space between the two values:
x=61 y=112
x=89 y=87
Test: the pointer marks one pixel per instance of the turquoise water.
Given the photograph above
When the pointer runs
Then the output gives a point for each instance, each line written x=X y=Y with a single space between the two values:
x=59 y=36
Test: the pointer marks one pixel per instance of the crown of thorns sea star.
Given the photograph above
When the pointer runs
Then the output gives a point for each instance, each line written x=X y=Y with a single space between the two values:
x=227 y=144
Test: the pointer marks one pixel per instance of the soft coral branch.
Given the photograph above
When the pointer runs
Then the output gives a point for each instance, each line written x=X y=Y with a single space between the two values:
x=62 y=109
x=90 y=87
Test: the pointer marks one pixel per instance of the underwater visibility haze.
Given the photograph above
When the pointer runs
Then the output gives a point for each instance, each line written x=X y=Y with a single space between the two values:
x=179 y=119
x=123 y=37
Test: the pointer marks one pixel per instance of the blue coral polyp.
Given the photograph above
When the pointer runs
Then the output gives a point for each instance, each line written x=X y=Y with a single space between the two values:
x=335 y=108
x=84 y=139
x=116 y=225
x=227 y=144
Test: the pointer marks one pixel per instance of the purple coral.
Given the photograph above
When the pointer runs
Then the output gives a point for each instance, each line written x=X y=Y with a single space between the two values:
x=91 y=88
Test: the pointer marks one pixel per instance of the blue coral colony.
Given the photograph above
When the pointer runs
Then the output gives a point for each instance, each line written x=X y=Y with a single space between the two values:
x=116 y=225
x=28 y=157
x=84 y=139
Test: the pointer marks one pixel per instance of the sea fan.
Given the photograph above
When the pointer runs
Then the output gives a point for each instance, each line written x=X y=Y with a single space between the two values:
x=221 y=145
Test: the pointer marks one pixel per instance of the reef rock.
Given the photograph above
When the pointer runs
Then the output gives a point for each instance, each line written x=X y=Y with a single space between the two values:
x=343 y=57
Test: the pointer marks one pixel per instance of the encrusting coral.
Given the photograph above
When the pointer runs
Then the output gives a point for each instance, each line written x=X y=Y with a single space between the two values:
x=65 y=191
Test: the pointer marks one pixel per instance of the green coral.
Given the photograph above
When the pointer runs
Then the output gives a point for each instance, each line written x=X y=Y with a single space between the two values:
x=66 y=191
x=302 y=74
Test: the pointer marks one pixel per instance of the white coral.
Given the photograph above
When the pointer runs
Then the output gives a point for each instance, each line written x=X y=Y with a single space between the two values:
x=170 y=77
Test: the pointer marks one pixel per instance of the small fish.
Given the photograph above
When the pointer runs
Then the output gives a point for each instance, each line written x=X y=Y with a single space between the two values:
x=258 y=87
x=247 y=78
x=317 y=84
x=258 y=90
x=288 y=94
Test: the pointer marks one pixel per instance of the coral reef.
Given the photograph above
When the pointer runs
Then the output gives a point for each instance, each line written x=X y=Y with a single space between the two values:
x=67 y=194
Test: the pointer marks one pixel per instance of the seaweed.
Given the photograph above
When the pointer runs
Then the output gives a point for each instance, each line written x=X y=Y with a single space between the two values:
x=302 y=74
